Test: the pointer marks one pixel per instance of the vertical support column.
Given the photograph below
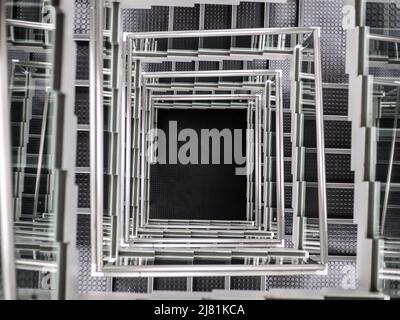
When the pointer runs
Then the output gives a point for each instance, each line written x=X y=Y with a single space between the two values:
x=366 y=213
x=96 y=133
x=65 y=120
x=6 y=203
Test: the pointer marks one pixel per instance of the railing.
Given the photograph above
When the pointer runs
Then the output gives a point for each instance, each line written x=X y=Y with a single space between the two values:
x=117 y=230
x=43 y=178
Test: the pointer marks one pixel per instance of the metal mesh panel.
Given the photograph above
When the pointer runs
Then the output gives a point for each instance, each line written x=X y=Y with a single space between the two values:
x=83 y=182
x=288 y=223
x=382 y=15
x=208 y=283
x=138 y=285
x=381 y=72
x=82 y=105
x=217 y=16
x=245 y=283
x=40 y=57
x=82 y=61
x=285 y=67
x=157 y=67
x=250 y=15
x=186 y=18
x=184 y=66
x=338 y=168
x=82 y=17
x=173 y=284
x=27 y=279
x=143 y=20
x=288 y=197
x=335 y=101
x=288 y=171
x=328 y=16
x=342 y=239
x=340 y=203
x=341 y=274
x=287 y=145
x=86 y=282
x=32 y=12
x=208 y=65
x=283 y=14
x=83 y=150
x=337 y=134
x=257 y=64
x=287 y=122
x=232 y=65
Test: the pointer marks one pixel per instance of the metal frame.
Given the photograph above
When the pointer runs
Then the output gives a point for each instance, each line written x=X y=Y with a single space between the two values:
x=49 y=238
x=8 y=272
x=374 y=249
x=260 y=37
x=225 y=74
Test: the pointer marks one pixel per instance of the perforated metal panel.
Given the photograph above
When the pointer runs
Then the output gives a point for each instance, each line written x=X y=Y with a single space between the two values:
x=27 y=279
x=341 y=275
x=337 y=134
x=382 y=15
x=328 y=16
x=245 y=283
x=82 y=17
x=143 y=20
x=184 y=66
x=32 y=12
x=283 y=14
x=86 y=282
x=83 y=150
x=82 y=61
x=172 y=284
x=335 y=101
x=342 y=239
x=285 y=67
x=288 y=197
x=288 y=224
x=186 y=18
x=157 y=67
x=83 y=182
x=138 y=285
x=208 y=283
x=340 y=203
x=250 y=15
x=338 y=168
x=257 y=64
x=82 y=105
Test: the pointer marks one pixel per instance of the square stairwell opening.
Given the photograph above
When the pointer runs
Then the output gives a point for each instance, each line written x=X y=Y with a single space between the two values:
x=199 y=191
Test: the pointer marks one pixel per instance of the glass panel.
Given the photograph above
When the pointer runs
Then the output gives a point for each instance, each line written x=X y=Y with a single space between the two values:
x=30 y=30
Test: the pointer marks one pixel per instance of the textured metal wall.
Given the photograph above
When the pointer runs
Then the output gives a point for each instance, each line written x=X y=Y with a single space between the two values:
x=86 y=282
x=341 y=275
x=324 y=13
